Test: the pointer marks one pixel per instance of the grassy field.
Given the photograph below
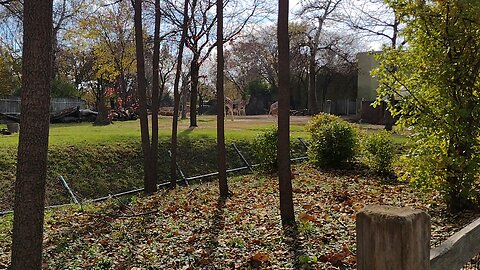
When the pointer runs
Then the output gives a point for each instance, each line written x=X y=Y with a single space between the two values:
x=244 y=128
x=102 y=160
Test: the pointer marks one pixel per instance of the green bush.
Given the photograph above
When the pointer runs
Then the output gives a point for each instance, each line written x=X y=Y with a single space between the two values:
x=333 y=141
x=265 y=149
x=319 y=120
x=378 y=151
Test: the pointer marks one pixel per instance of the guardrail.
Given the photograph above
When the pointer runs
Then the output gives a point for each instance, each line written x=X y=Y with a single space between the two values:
x=182 y=180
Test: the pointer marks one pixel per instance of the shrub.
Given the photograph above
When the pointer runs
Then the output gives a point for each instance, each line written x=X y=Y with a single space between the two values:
x=265 y=149
x=333 y=141
x=320 y=119
x=378 y=151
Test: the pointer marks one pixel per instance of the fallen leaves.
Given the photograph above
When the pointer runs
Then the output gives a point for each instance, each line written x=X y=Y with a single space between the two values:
x=188 y=229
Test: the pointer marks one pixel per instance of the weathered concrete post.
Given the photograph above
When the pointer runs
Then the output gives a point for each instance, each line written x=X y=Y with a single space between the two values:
x=391 y=238
x=328 y=106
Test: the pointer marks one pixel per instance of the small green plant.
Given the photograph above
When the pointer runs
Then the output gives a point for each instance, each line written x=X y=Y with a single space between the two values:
x=308 y=261
x=333 y=141
x=378 y=151
x=306 y=227
x=236 y=242
x=265 y=149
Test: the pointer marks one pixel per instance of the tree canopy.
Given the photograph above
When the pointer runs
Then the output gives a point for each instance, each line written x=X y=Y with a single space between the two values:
x=436 y=80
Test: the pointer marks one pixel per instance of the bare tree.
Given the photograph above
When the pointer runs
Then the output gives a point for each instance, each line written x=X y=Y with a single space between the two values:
x=156 y=94
x=221 y=153
x=378 y=21
x=283 y=144
x=375 y=19
x=33 y=141
x=201 y=39
x=150 y=183
x=176 y=96
x=319 y=12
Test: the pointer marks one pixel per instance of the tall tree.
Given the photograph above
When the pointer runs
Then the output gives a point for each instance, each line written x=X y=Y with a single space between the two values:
x=283 y=144
x=111 y=36
x=176 y=97
x=380 y=22
x=200 y=36
x=319 y=12
x=221 y=153
x=33 y=141
x=436 y=80
x=156 y=94
x=150 y=183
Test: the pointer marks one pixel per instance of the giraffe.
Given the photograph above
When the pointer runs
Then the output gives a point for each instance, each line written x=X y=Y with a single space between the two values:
x=229 y=105
x=273 y=109
x=242 y=105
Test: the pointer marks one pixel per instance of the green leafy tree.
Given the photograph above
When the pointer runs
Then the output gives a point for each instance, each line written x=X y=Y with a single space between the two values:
x=9 y=74
x=63 y=88
x=436 y=81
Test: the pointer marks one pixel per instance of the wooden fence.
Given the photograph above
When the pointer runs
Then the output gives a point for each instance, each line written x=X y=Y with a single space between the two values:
x=12 y=104
x=399 y=239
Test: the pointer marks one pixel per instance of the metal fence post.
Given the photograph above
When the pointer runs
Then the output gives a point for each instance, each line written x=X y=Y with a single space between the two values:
x=242 y=157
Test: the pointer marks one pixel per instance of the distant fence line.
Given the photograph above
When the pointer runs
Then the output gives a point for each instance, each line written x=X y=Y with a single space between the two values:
x=12 y=104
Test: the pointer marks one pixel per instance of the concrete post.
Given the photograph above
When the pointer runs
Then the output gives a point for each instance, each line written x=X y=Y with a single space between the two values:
x=328 y=106
x=391 y=238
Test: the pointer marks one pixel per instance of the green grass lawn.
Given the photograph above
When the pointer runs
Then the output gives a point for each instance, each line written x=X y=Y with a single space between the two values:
x=101 y=160
x=244 y=128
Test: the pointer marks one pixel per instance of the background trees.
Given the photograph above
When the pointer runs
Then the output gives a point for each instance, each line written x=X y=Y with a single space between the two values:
x=201 y=37
x=10 y=69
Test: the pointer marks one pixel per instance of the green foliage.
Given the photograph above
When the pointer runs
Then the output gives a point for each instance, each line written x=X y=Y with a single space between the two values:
x=436 y=82
x=10 y=70
x=378 y=150
x=333 y=141
x=317 y=121
x=258 y=88
x=265 y=149
x=63 y=88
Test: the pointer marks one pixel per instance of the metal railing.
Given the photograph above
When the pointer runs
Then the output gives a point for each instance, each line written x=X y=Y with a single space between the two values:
x=182 y=180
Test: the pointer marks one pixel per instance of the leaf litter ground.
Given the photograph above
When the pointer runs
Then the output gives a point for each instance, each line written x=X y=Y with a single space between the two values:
x=189 y=228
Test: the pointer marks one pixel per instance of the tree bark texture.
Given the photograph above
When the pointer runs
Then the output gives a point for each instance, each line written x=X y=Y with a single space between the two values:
x=283 y=153
x=155 y=96
x=149 y=182
x=176 y=96
x=195 y=69
x=33 y=141
x=312 y=82
x=221 y=152
x=102 y=116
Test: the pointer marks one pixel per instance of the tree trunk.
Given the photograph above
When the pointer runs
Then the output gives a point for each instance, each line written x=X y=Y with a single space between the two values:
x=283 y=143
x=33 y=140
x=312 y=91
x=155 y=96
x=126 y=102
x=176 y=95
x=221 y=152
x=149 y=183
x=195 y=68
x=184 y=98
x=102 y=116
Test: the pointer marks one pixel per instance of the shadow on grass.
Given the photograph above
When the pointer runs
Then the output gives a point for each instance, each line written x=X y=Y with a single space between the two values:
x=295 y=244
x=217 y=224
x=186 y=132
